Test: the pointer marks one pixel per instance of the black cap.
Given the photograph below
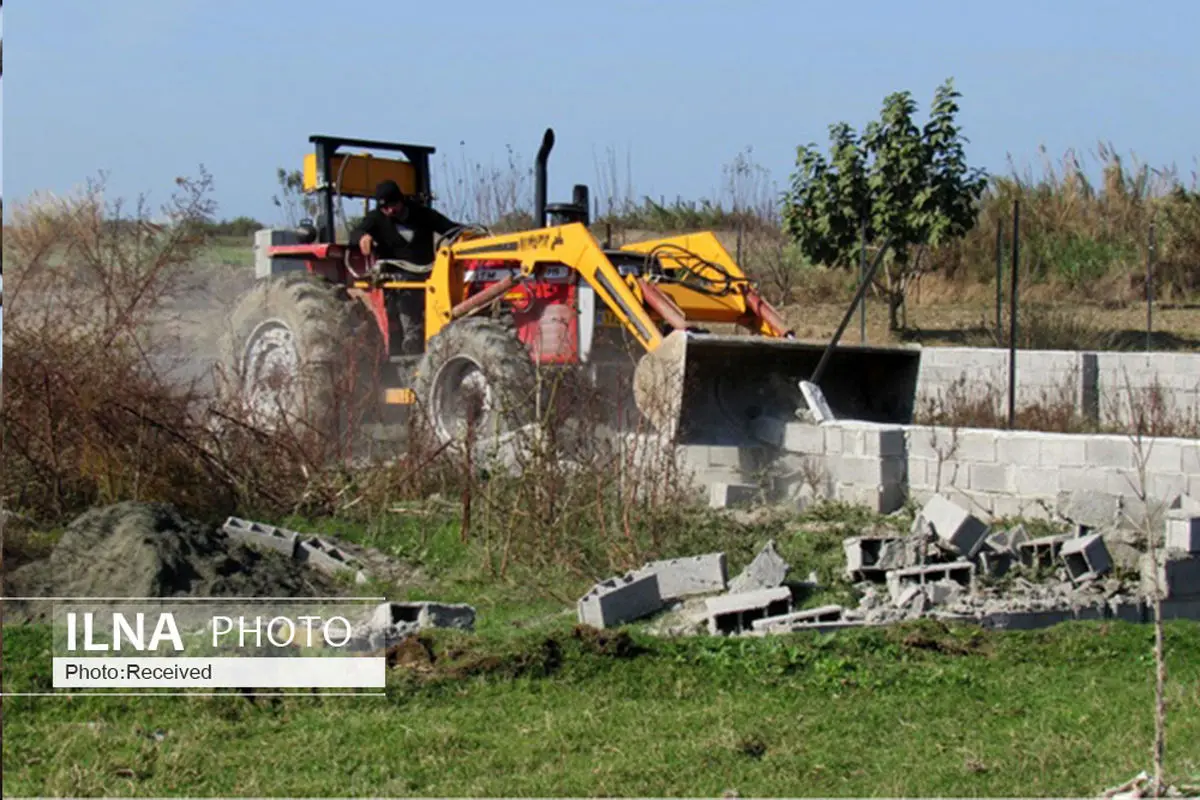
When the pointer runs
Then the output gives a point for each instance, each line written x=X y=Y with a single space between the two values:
x=388 y=192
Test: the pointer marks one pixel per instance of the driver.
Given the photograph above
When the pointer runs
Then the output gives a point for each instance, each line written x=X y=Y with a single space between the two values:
x=401 y=229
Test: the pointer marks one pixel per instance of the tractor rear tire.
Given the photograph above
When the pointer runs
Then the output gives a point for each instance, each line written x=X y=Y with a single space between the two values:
x=475 y=367
x=302 y=353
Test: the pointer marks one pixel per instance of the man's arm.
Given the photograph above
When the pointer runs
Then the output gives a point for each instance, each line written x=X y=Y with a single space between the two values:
x=440 y=223
x=363 y=237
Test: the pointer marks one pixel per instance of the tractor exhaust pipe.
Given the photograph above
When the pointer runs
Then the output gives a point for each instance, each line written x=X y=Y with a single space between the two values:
x=539 y=179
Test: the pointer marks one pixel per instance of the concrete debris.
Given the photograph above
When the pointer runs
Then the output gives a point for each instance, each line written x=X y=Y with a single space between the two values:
x=619 y=600
x=767 y=571
x=685 y=577
x=736 y=613
x=1086 y=557
x=1091 y=509
x=329 y=558
x=391 y=622
x=957 y=530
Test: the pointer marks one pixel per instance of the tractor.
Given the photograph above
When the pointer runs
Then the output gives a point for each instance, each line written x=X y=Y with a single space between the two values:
x=513 y=318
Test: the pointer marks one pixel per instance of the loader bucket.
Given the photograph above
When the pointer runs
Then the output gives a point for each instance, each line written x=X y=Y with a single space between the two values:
x=712 y=389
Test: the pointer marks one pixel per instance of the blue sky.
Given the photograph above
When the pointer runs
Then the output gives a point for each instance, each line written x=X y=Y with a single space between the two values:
x=150 y=89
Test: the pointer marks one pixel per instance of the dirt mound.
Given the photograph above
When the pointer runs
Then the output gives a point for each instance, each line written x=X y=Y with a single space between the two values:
x=150 y=550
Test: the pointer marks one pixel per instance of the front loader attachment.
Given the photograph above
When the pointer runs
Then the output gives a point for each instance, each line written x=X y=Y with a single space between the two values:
x=712 y=389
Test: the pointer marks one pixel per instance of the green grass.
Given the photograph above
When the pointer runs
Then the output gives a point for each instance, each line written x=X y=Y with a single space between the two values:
x=919 y=710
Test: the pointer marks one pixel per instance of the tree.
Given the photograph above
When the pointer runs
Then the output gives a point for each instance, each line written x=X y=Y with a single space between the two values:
x=908 y=183
x=292 y=200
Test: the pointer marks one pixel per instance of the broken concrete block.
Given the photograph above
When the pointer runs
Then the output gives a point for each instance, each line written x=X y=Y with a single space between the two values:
x=329 y=558
x=620 y=600
x=683 y=577
x=1090 y=508
x=1007 y=541
x=1041 y=553
x=1185 y=503
x=1177 y=575
x=1025 y=620
x=960 y=572
x=731 y=495
x=735 y=613
x=957 y=530
x=865 y=556
x=942 y=592
x=391 y=622
x=786 y=622
x=766 y=571
x=994 y=562
x=425 y=614
x=257 y=534
x=818 y=408
x=1183 y=532
x=1086 y=557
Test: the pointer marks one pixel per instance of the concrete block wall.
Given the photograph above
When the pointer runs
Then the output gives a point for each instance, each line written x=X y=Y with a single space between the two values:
x=992 y=472
x=1098 y=384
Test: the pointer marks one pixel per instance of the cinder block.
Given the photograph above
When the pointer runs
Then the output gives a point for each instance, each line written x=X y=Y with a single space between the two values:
x=1019 y=448
x=683 y=577
x=803 y=438
x=977 y=445
x=957 y=530
x=991 y=478
x=817 y=405
x=329 y=558
x=796 y=619
x=735 y=613
x=1040 y=553
x=767 y=571
x=256 y=534
x=620 y=600
x=1178 y=575
x=1164 y=455
x=960 y=572
x=425 y=614
x=731 y=495
x=1086 y=557
x=867 y=556
x=1063 y=450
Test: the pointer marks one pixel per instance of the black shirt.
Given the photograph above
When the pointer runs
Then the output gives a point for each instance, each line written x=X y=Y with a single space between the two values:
x=407 y=237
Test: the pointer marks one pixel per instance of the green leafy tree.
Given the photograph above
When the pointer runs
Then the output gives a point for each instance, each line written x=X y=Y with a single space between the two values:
x=906 y=182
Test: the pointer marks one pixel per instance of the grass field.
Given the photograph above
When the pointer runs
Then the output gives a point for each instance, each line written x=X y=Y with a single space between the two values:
x=913 y=711
x=527 y=707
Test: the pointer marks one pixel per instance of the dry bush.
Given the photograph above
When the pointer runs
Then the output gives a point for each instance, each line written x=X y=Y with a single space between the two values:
x=90 y=414
x=86 y=417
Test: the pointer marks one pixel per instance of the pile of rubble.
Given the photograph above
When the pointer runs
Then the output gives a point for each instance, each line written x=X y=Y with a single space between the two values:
x=950 y=565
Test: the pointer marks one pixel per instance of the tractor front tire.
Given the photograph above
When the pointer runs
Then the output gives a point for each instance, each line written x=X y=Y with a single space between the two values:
x=302 y=354
x=476 y=376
